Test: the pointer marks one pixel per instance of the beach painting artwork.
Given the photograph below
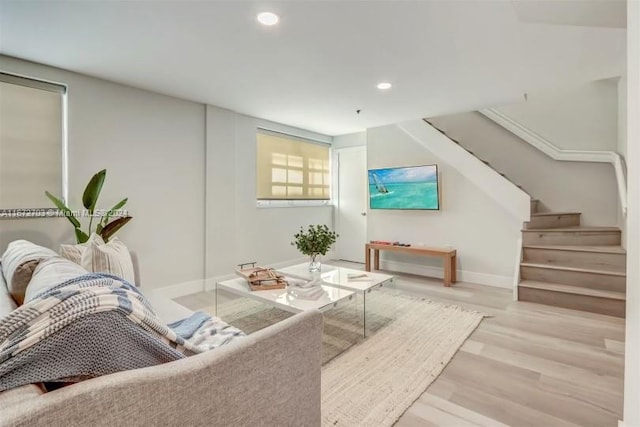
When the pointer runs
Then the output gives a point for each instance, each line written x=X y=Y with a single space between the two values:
x=414 y=187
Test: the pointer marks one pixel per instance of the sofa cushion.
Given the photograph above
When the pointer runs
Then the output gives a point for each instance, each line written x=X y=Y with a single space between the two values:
x=52 y=272
x=167 y=310
x=18 y=263
x=112 y=257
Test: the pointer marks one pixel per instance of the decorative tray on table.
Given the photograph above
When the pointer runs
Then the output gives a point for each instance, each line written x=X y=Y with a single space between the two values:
x=262 y=278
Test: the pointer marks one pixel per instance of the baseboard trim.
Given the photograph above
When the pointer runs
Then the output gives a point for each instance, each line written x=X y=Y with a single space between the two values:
x=437 y=272
x=195 y=286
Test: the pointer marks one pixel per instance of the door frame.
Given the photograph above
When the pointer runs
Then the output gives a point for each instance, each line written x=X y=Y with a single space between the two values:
x=335 y=159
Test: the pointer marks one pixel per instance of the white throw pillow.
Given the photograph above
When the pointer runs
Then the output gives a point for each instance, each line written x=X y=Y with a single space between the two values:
x=112 y=258
x=18 y=263
x=52 y=272
x=73 y=252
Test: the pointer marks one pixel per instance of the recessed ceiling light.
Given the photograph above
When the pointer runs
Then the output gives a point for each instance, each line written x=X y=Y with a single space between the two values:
x=268 y=18
x=384 y=86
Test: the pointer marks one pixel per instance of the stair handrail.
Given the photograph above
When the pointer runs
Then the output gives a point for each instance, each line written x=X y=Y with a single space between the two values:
x=510 y=197
x=556 y=153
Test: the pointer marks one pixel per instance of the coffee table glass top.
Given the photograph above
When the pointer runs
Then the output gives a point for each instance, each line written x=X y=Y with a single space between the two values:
x=340 y=277
x=282 y=299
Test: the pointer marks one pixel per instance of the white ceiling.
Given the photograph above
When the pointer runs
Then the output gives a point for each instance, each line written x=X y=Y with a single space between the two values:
x=323 y=60
x=593 y=13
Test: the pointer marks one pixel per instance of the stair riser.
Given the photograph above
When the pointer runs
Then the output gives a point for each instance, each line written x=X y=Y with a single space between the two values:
x=576 y=302
x=595 y=238
x=591 y=260
x=575 y=278
x=553 y=221
x=534 y=206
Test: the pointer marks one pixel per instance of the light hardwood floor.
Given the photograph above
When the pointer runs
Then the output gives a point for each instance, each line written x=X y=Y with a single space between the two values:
x=527 y=365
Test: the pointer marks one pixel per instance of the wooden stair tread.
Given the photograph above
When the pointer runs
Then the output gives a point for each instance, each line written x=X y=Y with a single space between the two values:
x=574 y=269
x=577 y=248
x=576 y=290
x=576 y=228
x=555 y=213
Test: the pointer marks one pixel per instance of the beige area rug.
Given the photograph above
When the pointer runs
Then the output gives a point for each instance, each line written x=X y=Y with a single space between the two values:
x=372 y=381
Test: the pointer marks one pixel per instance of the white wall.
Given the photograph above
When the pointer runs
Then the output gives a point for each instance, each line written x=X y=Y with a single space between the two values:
x=152 y=147
x=622 y=116
x=632 y=335
x=237 y=230
x=483 y=233
x=583 y=117
x=622 y=145
x=357 y=139
x=589 y=188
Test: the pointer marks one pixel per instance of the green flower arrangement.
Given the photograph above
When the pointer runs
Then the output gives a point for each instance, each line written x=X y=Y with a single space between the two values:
x=316 y=240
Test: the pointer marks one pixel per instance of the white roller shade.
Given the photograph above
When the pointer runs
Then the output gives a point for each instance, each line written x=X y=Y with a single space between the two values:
x=31 y=133
x=290 y=168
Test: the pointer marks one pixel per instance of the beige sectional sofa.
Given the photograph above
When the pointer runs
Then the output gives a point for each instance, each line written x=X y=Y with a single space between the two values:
x=269 y=378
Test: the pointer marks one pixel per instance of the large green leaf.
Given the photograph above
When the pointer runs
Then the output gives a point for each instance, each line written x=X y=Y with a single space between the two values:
x=64 y=209
x=111 y=228
x=105 y=218
x=81 y=236
x=92 y=191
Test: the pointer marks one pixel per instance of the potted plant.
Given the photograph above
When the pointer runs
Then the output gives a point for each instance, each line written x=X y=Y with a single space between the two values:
x=315 y=241
x=102 y=227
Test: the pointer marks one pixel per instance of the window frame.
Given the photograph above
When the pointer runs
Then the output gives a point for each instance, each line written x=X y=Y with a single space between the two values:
x=62 y=89
x=305 y=169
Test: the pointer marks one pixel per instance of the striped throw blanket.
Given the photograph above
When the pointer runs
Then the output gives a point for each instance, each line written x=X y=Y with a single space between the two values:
x=93 y=325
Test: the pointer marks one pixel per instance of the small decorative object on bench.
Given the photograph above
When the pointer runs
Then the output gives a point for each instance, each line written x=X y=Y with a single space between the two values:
x=261 y=278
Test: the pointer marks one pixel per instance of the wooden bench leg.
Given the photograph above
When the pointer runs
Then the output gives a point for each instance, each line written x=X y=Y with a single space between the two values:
x=376 y=259
x=450 y=270
x=367 y=259
x=454 y=269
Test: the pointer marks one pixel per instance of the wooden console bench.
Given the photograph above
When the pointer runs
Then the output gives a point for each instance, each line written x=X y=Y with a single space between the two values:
x=448 y=257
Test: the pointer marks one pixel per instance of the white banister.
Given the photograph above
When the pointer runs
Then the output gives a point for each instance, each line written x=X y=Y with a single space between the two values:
x=557 y=153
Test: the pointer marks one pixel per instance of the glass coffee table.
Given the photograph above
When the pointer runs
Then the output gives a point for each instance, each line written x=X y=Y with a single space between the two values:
x=376 y=292
x=282 y=299
x=251 y=311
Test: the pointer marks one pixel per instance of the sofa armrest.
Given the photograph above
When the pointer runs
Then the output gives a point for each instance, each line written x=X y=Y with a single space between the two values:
x=271 y=377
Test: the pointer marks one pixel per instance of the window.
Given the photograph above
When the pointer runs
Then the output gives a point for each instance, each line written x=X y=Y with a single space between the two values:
x=291 y=168
x=31 y=142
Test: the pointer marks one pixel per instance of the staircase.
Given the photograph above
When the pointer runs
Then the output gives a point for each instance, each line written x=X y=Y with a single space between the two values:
x=567 y=265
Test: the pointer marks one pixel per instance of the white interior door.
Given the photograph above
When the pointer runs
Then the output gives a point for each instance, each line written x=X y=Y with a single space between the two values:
x=352 y=203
